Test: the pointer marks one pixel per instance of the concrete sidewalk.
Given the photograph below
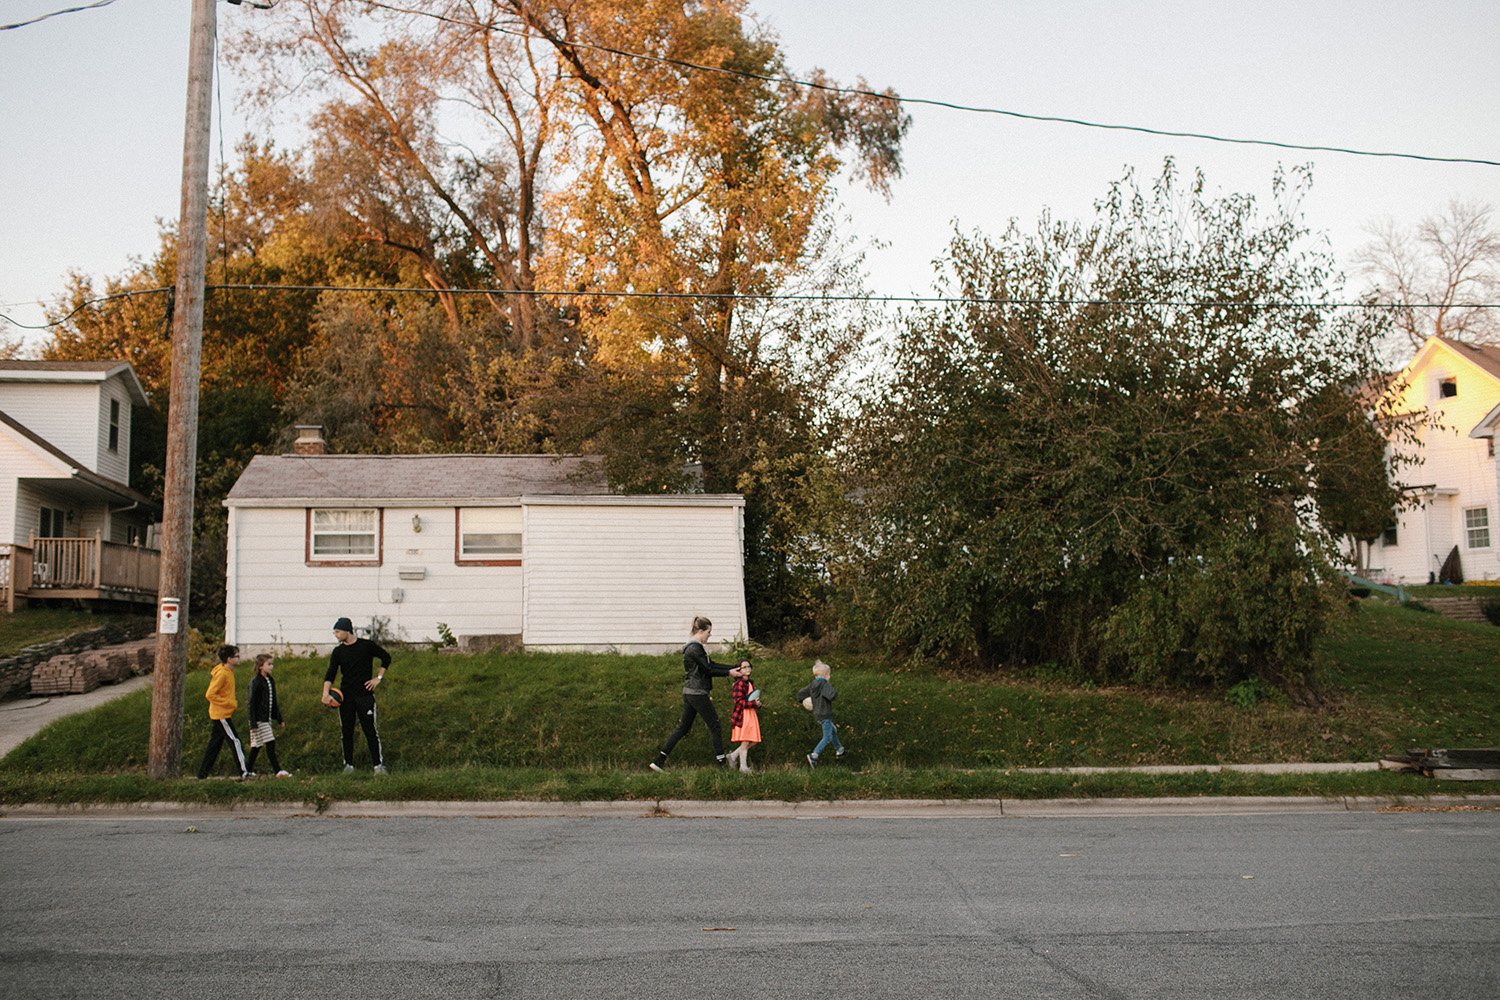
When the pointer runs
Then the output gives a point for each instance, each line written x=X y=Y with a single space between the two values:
x=23 y=718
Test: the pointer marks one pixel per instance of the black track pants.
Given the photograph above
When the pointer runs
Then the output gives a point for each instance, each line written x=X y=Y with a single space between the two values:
x=363 y=709
x=694 y=705
x=221 y=731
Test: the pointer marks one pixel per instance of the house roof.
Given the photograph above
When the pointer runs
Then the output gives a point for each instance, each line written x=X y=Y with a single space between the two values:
x=1486 y=356
x=15 y=370
x=416 y=477
x=75 y=468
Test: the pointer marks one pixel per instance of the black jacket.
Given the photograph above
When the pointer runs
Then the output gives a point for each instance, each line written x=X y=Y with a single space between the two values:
x=698 y=671
x=263 y=704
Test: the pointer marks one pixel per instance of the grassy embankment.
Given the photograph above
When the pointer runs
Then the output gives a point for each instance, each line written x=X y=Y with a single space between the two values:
x=562 y=726
x=28 y=628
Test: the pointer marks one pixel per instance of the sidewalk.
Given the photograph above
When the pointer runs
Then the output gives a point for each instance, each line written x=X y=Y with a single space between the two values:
x=23 y=718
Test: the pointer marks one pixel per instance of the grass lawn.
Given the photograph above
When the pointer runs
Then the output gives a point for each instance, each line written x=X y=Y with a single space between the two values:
x=576 y=726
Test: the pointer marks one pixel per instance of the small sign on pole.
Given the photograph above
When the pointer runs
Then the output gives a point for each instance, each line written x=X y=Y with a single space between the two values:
x=169 y=614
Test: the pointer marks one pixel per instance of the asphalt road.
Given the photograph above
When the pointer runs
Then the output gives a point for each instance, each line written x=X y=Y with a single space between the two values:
x=1353 y=906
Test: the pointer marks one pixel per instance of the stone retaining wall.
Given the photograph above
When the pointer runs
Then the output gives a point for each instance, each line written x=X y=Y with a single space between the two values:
x=16 y=670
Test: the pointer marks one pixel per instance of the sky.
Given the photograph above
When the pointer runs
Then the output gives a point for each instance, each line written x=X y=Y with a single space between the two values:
x=93 y=105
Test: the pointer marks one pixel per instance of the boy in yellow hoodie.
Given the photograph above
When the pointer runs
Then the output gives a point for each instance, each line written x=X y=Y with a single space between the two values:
x=221 y=706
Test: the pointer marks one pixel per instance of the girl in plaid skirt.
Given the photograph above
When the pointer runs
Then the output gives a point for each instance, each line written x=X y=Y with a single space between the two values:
x=265 y=709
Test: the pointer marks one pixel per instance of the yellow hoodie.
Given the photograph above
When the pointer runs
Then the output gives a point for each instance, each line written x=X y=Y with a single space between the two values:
x=220 y=693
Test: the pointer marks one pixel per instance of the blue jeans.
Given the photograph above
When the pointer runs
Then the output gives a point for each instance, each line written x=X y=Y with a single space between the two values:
x=830 y=736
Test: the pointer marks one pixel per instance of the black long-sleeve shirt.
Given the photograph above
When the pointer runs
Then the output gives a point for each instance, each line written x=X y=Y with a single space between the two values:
x=263 y=704
x=698 y=671
x=357 y=660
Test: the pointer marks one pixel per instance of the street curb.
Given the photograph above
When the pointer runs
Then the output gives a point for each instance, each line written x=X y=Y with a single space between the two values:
x=904 y=809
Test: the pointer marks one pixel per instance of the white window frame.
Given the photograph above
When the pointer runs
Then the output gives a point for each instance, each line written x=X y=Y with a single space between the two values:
x=488 y=536
x=1477 y=529
x=349 y=524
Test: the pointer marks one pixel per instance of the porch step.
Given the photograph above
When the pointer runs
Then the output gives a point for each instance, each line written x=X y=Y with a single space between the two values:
x=1464 y=609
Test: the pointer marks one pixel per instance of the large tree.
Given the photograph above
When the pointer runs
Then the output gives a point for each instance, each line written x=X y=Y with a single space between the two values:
x=648 y=165
x=1435 y=270
x=1110 y=463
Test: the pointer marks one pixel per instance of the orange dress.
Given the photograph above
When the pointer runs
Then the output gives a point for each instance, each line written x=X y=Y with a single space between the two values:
x=747 y=729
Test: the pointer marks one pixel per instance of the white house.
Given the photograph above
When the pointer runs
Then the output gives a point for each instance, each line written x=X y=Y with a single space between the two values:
x=71 y=526
x=528 y=546
x=1452 y=489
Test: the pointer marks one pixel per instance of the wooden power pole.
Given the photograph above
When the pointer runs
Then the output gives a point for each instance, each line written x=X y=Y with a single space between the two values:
x=182 y=417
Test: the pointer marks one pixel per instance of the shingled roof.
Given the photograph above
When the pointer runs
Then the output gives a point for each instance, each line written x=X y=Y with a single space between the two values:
x=359 y=478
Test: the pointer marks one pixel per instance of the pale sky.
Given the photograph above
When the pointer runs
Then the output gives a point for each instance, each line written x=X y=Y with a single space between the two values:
x=93 y=104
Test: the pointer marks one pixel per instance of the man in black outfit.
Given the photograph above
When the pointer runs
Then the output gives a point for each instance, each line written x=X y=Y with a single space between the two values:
x=356 y=658
x=698 y=673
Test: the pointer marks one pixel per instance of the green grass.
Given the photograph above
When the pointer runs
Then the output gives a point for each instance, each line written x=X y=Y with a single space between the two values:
x=35 y=625
x=571 y=726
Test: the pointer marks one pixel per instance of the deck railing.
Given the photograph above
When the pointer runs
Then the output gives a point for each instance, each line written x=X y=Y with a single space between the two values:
x=77 y=567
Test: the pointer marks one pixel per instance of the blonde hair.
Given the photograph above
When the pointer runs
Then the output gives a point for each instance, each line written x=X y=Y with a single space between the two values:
x=821 y=669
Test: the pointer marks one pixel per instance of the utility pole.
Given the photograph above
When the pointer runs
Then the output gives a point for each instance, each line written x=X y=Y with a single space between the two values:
x=182 y=418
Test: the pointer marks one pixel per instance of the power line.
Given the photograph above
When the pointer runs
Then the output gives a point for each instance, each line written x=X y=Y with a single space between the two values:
x=56 y=13
x=976 y=300
x=825 y=297
x=84 y=305
x=931 y=102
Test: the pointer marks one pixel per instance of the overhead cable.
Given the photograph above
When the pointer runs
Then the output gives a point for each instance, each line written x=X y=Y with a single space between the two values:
x=932 y=102
x=976 y=300
x=56 y=13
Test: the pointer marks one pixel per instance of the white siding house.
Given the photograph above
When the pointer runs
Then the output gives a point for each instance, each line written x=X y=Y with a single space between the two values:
x=518 y=545
x=71 y=526
x=1452 y=489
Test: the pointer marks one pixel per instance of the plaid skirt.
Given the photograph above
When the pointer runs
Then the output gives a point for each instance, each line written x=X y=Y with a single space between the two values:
x=262 y=733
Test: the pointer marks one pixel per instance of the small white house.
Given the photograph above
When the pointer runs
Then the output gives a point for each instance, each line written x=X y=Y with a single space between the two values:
x=1452 y=489
x=527 y=546
x=71 y=526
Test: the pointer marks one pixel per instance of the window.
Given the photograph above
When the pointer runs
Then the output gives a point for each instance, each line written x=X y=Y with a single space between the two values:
x=1477 y=527
x=1489 y=446
x=114 y=425
x=343 y=537
x=52 y=523
x=1388 y=537
x=489 y=536
x=1448 y=388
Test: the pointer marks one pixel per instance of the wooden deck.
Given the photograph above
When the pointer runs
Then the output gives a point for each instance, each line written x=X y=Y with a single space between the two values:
x=88 y=569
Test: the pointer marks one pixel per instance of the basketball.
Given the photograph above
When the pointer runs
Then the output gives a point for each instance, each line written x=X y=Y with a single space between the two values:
x=337 y=696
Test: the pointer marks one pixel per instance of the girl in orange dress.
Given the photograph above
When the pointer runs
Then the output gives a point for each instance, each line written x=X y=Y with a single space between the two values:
x=745 y=719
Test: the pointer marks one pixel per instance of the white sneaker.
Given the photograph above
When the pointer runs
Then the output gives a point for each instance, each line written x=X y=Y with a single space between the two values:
x=348 y=768
x=380 y=769
x=283 y=774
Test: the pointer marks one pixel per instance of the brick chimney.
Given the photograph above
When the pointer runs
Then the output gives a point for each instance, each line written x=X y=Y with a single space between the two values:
x=309 y=440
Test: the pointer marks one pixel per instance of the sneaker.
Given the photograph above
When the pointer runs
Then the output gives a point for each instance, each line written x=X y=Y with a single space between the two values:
x=839 y=753
x=380 y=769
x=348 y=768
x=812 y=760
x=721 y=760
x=283 y=774
x=247 y=775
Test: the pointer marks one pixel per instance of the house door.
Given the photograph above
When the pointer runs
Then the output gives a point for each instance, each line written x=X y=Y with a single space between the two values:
x=1441 y=533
